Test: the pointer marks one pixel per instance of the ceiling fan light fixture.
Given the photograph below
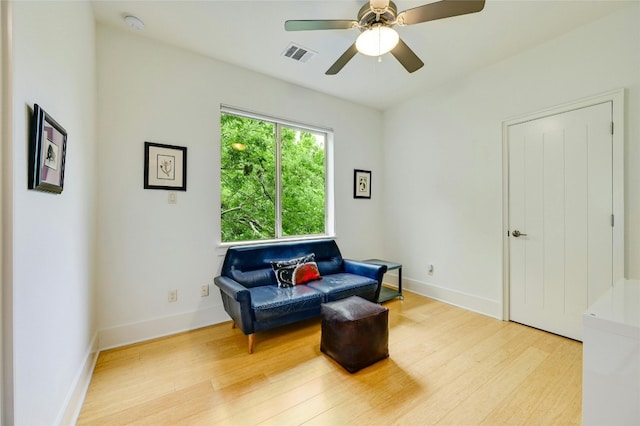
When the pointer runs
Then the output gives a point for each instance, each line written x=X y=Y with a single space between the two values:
x=379 y=4
x=377 y=40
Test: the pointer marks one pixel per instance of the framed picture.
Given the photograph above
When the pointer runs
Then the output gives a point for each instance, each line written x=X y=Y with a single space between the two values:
x=361 y=184
x=47 y=152
x=165 y=167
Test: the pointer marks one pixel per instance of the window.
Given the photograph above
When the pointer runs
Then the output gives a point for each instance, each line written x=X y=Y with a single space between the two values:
x=273 y=178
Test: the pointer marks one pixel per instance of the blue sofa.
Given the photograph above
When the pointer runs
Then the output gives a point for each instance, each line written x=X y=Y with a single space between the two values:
x=254 y=301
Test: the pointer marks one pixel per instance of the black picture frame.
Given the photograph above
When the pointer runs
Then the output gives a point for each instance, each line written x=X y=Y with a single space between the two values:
x=165 y=167
x=47 y=152
x=361 y=184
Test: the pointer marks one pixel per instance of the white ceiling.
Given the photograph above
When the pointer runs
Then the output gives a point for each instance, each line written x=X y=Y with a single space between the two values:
x=251 y=34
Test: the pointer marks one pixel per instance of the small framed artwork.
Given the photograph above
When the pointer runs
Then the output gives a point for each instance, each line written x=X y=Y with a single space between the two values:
x=361 y=184
x=165 y=167
x=47 y=152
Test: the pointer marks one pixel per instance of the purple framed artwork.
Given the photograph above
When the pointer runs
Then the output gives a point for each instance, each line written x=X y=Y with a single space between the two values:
x=47 y=152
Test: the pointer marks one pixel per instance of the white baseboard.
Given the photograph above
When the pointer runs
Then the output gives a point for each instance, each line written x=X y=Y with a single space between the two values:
x=159 y=327
x=466 y=301
x=75 y=397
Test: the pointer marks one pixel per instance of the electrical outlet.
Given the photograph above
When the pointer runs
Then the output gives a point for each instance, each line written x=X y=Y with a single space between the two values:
x=430 y=269
x=173 y=296
x=204 y=290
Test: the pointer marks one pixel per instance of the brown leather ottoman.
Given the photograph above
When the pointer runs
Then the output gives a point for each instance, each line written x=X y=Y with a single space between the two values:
x=355 y=332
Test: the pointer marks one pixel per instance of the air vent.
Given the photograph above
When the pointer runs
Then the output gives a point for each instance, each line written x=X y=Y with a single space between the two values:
x=298 y=53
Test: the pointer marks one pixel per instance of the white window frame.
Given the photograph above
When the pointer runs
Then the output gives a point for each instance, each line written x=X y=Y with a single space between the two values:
x=329 y=220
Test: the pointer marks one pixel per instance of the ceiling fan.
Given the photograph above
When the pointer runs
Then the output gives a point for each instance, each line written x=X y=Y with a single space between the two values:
x=376 y=20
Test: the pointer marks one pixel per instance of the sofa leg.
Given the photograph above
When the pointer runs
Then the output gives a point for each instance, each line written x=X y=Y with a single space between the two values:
x=233 y=325
x=252 y=339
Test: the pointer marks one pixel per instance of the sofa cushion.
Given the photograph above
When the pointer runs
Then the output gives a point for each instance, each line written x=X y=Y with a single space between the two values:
x=272 y=301
x=339 y=286
x=251 y=278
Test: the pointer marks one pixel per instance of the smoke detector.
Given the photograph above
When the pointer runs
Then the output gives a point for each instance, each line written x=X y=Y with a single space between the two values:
x=134 y=22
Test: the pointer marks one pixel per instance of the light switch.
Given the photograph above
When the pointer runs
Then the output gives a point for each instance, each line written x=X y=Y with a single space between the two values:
x=173 y=198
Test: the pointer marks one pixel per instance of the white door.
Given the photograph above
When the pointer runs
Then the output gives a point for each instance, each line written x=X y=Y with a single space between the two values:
x=560 y=217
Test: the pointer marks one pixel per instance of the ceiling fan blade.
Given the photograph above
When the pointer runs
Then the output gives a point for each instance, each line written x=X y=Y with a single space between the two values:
x=439 y=10
x=342 y=60
x=406 y=57
x=311 y=25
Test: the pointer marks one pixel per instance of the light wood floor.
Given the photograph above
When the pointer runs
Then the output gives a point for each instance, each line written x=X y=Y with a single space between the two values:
x=446 y=366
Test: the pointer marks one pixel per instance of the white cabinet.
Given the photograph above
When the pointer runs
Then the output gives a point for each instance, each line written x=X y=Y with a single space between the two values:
x=611 y=357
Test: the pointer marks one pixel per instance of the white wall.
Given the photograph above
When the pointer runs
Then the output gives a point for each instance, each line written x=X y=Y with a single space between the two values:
x=148 y=91
x=53 y=249
x=5 y=137
x=443 y=186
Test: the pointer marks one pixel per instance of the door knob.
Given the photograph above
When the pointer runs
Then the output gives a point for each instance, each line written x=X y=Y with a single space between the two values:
x=517 y=234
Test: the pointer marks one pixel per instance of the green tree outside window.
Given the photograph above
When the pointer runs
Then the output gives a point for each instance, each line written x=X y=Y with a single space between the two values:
x=254 y=204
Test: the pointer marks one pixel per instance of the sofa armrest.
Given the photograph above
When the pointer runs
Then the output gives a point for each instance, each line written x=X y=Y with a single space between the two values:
x=368 y=270
x=233 y=289
x=237 y=303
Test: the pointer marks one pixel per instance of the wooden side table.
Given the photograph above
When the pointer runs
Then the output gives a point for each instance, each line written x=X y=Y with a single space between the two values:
x=387 y=293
